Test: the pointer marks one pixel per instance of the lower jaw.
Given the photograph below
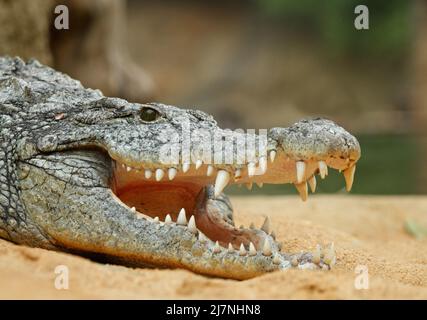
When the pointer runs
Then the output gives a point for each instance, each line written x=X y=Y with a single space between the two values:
x=211 y=214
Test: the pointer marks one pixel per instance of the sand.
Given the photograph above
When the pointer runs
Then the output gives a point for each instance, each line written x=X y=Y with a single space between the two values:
x=366 y=230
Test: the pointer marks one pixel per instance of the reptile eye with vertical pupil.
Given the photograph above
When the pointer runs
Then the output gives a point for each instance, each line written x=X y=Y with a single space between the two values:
x=149 y=114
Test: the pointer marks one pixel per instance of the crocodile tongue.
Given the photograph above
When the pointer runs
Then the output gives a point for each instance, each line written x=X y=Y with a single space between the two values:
x=214 y=219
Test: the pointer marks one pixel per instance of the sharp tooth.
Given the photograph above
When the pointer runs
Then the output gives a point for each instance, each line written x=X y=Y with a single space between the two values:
x=242 y=250
x=202 y=237
x=209 y=171
x=252 y=226
x=217 y=248
x=182 y=219
x=330 y=257
x=259 y=184
x=172 y=173
x=249 y=185
x=272 y=155
x=349 y=177
x=221 y=181
x=300 y=171
x=266 y=250
x=273 y=235
x=128 y=169
x=303 y=190
x=198 y=164
x=230 y=248
x=294 y=261
x=185 y=167
x=276 y=259
x=266 y=225
x=312 y=182
x=316 y=255
x=159 y=174
x=263 y=164
x=148 y=174
x=192 y=225
x=168 y=219
x=251 y=169
x=156 y=219
x=133 y=209
x=323 y=169
x=237 y=173
x=123 y=166
x=252 y=250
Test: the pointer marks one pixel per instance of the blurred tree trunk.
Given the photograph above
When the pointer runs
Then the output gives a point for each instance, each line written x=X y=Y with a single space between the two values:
x=24 y=29
x=420 y=90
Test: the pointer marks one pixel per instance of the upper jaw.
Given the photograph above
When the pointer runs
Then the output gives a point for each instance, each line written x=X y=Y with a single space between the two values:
x=292 y=155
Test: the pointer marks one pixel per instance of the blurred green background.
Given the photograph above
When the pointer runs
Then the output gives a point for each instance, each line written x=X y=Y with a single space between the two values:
x=264 y=63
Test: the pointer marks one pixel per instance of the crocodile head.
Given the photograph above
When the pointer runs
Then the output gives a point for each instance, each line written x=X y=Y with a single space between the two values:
x=142 y=184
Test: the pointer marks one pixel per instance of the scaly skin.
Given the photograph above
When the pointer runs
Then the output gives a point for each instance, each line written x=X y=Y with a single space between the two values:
x=73 y=163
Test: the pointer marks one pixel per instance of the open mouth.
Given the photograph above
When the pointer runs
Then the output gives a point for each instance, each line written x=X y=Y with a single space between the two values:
x=191 y=196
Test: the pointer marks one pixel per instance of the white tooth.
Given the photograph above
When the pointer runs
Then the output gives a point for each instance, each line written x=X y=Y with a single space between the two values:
x=230 y=248
x=273 y=235
x=300 y=171
x=123 y=166
x=251 y=169
x=242 y=250
x=159 y=174
x=249 y=185
x=272 y=155
x=148 y=174
x=263 y=164
x=221 y=181
x=303 y=190
x=266 y=225
x=133 y=209
x=259 y=184
x=330 y=257
x=323 y=169
x=182 y=219
x=203 y=238
x=156 y=219
x=168 y=219
x=216 y=248
x=198 y=164
x=349 y=177
x=266 y=250
x=276 y=259
x=128 y=169
x=312 y=182
x=209 y=171
x=316 y=255
x=185 y=167
x=252 y=250
x=139 y=216
x=237 y=173
x=172 y=173
x=192 y=225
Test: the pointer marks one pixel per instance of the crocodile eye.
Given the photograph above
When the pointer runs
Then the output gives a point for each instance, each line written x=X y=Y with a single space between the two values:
x=149 y=114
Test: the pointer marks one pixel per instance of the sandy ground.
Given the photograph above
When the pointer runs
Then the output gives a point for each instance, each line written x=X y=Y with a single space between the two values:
x=366 y=230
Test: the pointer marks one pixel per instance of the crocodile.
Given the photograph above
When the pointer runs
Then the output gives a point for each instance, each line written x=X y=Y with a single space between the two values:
x=142 y=184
